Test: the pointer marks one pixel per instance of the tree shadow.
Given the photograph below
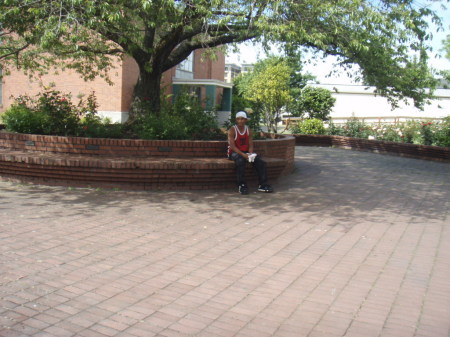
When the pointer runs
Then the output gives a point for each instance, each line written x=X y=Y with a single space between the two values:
x=337 y=184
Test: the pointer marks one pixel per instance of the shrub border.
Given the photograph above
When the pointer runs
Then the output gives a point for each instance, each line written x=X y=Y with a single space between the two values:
x=378 y=146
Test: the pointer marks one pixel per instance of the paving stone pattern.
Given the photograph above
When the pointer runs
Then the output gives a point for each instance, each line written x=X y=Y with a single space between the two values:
x=351 y=244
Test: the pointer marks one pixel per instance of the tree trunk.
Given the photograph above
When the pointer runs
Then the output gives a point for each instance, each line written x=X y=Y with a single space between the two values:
x=147 y=94
x=270 y=122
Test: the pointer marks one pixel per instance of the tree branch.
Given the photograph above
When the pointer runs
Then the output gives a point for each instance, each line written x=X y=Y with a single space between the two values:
x=14 y=52
x=113 y=51
x=185 y=48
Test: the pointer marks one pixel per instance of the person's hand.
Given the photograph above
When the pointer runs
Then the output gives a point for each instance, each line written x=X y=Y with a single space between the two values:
x=251 y=157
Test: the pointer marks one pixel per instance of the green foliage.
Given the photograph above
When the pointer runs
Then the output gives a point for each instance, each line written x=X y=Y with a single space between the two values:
x=164 y=126
x=199 y=124
x=334 y=130
x=100 y=128
x=387 y=132
x=267 y=87
x=442 y=133
x=240 y=103
x=446 y=44
x=185 y=119
x=427 y=134
x=313 y=126
x=388 y=39
x=412 y=131
x=61 y=115
x=313 y=102
x=352 y=128
x=20 y=118
x=53 y=113
x=275 y=84
x=357 y=129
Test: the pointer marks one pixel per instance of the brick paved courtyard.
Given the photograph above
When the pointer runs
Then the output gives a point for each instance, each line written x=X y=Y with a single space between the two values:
x=351 y=244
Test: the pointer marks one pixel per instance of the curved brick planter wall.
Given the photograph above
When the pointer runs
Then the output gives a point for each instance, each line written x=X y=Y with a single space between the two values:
x=378 y=146
x=140 y=164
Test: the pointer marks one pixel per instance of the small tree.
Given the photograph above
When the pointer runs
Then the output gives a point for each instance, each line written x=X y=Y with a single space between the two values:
x=315 y=102
x=268 y=87
x=241 y=103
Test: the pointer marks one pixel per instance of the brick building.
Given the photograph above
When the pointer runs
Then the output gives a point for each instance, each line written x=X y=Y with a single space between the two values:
x=200 y=74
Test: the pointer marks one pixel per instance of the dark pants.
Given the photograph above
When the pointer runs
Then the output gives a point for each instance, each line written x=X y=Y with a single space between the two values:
x=258 y=164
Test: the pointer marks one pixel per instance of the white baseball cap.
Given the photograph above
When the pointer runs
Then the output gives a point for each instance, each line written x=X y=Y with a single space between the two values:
x=241 y=114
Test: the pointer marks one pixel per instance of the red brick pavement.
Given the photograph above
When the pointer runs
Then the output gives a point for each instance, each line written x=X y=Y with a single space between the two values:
x=351 y=244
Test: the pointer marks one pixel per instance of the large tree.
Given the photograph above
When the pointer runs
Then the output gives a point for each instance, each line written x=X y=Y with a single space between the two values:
x=386 y=38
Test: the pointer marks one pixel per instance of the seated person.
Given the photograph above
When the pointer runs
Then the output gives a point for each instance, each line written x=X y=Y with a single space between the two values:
x=240 y=149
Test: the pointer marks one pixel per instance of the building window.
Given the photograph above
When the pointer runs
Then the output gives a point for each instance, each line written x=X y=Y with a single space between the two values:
x=185 y=69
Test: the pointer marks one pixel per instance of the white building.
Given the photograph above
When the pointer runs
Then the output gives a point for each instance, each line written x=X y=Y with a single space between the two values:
x=361 y=102
x=247 y=67
x=231 y=71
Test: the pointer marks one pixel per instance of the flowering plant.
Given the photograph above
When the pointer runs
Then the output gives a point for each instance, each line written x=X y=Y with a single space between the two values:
x=412 y=131
x=52 y=112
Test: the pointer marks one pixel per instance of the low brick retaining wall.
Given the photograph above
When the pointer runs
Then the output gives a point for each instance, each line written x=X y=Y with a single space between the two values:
x=132 y=164
x=378 y=146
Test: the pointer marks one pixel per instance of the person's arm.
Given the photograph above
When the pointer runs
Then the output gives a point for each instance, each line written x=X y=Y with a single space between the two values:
x=231 y=135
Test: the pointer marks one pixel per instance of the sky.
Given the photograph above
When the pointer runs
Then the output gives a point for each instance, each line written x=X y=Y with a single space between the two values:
x=248 y=53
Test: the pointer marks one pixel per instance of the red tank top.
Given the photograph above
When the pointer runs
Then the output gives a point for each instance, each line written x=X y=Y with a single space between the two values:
x=241 y=140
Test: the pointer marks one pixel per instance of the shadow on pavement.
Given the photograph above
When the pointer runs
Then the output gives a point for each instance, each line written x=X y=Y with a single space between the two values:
x=327 y=182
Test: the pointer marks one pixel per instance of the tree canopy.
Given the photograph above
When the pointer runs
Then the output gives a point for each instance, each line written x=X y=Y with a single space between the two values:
x=388 y=39
x=446 y=73
x=446 y=47
x=313 y=102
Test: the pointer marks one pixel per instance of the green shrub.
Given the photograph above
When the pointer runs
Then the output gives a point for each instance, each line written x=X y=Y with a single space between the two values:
x=315 y=102
x=164 y=126
x=22 y=119
x=62 y=116
x=50 y=112
x=184 y=119
x=95 y=127
x=413 y=131
x=391 y=133
x=427 y=133
x=311 y=126
x=357 y=129
x=442 y=133
x=334 y=130
x=198 y=123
